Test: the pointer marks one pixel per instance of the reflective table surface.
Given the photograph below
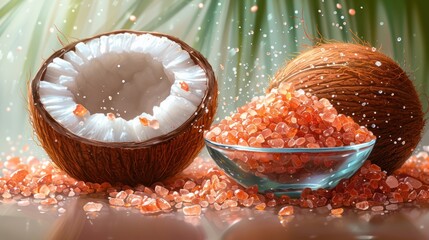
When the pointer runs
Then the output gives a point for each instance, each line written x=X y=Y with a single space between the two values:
x=40 y=222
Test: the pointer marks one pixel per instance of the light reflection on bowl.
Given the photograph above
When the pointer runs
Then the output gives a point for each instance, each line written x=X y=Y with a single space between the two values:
x=289 y=170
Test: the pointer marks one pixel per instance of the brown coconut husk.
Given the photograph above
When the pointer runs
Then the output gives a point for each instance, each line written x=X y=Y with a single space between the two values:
x=125 y=162
x=382 y=98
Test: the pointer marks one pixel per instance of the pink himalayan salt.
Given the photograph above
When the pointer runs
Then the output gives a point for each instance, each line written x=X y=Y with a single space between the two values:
x=149 y=206
x=161 y=191
x=290 y=118
x=194 y=210
x=364 y=205
x=261 y=206
x=92 y=207
x=377 y=208
x=392 y=182
x=116 y=202
x=189 y=185
x=163 y=204
x=208 y=179
x=337 y=211
x=286 y=211
x=18 y=175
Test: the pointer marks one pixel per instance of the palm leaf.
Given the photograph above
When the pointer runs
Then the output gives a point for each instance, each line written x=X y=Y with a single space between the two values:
x=244 y=47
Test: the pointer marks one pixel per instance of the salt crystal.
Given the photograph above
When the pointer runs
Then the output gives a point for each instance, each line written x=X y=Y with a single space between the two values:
x=416 y=184
x=116 y=202
x=121 y=195
x=286 y=211
x=189 y=185
x=392 y=207
x=163 y=204
x=364 y=205
x=149 y=206
x=260 y=206
x=377 y=208
x=337 y=211
x=18 y=175
x=39 y=196
x=161 y=191
x=194 y=210
x=61 y=210
x=92 y=207
x=392 y=182
x=44 y=189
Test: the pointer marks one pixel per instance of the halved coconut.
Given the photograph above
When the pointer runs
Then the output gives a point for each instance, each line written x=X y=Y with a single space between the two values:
x=124 y=106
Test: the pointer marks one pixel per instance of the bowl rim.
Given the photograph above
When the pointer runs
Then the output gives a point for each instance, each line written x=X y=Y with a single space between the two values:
x=290 y=150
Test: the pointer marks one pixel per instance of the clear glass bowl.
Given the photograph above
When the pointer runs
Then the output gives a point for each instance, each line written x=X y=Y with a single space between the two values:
x=289 y=170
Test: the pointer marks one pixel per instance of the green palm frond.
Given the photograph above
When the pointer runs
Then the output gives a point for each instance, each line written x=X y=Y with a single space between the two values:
x=245 y=47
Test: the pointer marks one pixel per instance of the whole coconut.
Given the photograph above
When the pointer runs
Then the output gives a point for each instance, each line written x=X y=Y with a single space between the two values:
x=368 y=86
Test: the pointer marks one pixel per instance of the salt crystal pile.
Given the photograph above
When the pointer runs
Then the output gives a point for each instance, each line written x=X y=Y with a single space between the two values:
x=203 y=186
x=287 y=118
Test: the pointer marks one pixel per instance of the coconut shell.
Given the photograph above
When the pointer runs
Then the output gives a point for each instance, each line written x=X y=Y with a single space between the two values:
x=367 y=85
x=125 y=162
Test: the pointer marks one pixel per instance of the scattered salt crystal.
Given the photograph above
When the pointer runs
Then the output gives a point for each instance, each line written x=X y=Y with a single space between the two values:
x=116 y=202
x=392 y=182
x=92 y=207
x=194 y=210
x=163 y=204
x=364 y=205
x=392 y=207
x=337 y=211
x=161 y=191
x=377 y=208
x=286 y=211
x=260 y=206
x=121 y=195
x=416 y=184
x=61 y=210
x=39 y=196
x=18 y=175
x=378 y=63
x=44 y=189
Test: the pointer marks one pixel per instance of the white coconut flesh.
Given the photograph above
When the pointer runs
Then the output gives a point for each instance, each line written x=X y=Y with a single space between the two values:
x=123 y=88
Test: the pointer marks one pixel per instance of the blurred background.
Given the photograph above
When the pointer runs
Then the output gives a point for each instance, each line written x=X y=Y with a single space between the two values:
x=245 y=41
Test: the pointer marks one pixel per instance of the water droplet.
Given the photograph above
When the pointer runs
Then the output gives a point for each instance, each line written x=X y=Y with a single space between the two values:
x=254 y=8
x=133 y=18
x=399 y=39
x=200 y=5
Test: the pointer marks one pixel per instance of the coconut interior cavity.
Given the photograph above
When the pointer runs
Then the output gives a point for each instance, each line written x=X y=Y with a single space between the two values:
x=123 y=87
x=125 y=84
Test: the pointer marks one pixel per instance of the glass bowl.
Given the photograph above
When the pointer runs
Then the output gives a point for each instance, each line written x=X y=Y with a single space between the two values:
x=289 y=170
